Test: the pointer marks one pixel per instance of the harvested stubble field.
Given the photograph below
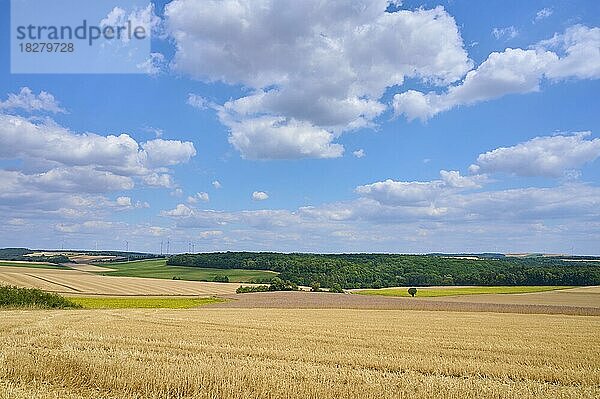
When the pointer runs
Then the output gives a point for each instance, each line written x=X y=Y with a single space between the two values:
x=86 y=267
x=579 y=296
x=300 y=353
x=31 y=265
x=82 y=283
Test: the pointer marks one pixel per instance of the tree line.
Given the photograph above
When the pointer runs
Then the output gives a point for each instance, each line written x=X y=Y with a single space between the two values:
x=388 y=270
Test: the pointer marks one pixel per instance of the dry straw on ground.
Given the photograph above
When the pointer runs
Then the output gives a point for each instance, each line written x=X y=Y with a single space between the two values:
x=297 y=353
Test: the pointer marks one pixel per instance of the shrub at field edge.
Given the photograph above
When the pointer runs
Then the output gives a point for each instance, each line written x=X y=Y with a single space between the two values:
x=15 y=297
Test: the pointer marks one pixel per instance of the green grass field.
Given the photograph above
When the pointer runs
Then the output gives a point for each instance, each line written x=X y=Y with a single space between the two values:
x=141 y=302
x=450 y=291
x=36 y=265
x=158 y=268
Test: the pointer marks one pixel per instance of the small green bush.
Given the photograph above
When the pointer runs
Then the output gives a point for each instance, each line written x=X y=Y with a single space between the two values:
x=412 y=291
x=336 y=288
x=255 y=288
x=315 y=286
x=277 y=284
x=15 y=297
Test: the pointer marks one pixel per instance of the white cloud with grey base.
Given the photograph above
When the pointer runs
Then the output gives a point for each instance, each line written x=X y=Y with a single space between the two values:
x=88 y=161
x=260 y=196
x=322 y=71
x=550 y=156
x=512 y=71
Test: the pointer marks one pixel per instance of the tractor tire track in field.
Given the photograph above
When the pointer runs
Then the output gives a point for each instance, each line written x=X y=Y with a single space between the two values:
x=53 y=282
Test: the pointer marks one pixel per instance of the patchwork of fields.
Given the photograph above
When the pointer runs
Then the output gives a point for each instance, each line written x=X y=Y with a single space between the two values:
x=473 y=342
x=157 y=268
x=271 y=353
x=147 y=277
x=581 y=300
x=83 y=283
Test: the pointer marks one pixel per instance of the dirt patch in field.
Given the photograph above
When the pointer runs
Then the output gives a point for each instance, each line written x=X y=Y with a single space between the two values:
x=315 y=300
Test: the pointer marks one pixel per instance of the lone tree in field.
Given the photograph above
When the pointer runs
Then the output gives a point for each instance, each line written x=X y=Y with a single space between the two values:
x=412 y=291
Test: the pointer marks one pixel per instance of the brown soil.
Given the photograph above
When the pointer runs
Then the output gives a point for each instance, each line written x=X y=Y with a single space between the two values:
x=317 y=300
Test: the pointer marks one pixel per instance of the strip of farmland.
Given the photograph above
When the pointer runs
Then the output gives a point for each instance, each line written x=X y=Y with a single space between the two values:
x=78 y=282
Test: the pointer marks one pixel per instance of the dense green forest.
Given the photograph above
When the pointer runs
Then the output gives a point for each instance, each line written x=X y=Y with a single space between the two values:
x=385 y=270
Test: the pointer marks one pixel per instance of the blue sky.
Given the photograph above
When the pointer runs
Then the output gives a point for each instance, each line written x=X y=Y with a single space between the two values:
x=432 y=126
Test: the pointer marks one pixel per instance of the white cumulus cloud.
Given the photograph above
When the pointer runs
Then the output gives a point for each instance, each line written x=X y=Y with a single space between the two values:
x=27 y=100
x=315 y=71
x=161 y=152
x=259 y=196
x=549 y=156
x=579 y=50
x=359 y=153
x=197 y=101
x=543 y=14
x=123 y=201
x=270 y=137
x=113 y=161
x=154 y=64
x=202 y=196
x=513 y=71
x=417 y=193
x=510 y=32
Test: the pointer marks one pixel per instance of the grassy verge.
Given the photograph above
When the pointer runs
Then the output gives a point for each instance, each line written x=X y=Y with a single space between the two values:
x=158 y=268
x=450 y=291
x=15 y=298
x=36 y=265
x=142 y=302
